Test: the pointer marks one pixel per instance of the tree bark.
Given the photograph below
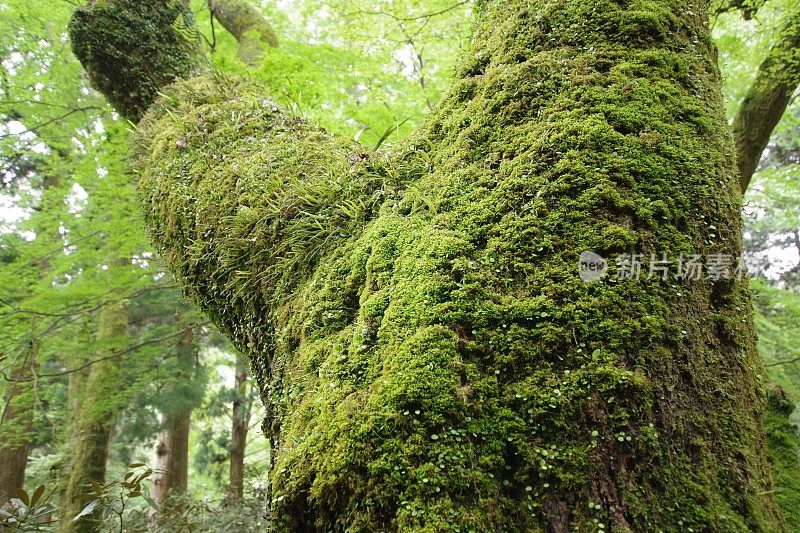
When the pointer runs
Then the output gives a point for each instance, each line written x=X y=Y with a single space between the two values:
x=429 y=356
x=94 y=422
x=241 y=422
x=247 y=25
x=762 y=108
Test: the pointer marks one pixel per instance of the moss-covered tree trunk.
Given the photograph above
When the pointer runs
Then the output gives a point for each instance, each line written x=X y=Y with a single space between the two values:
x=93 y=422
x=429 y=356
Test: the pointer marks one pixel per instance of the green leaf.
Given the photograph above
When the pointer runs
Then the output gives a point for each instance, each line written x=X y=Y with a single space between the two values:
x=37 y=494
x=389 y=132
x=150 y=501
x=89 y=509
x=22 y=495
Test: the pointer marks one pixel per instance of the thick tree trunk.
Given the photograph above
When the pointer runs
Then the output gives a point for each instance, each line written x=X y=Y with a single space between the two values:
x=247 y=25
x=429 y=355
x=768 y=98
x=93 y=423
x=241 y=422
x=15 y=424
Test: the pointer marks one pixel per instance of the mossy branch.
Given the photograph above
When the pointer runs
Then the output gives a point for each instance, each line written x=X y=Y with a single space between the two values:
x=243 y=199
x=748 y=8
x=770 y=94
x=133 y=48
x=247 y=25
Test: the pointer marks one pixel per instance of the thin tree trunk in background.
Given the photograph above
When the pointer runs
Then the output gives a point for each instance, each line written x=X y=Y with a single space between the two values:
x=172 y=451
x=94 y=422
x=16 y=420
x=172 y=457
x=241 y=421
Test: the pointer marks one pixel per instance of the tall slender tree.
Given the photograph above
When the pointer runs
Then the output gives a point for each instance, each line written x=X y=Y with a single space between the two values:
x=94 y=421
x=16 y=421
x=15 y=425
x=429 y=356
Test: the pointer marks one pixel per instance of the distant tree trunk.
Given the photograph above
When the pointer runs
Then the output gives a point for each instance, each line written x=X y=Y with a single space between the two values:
x=768 y=97
x=241 y=422
x=172 y=451
x=94 y=421
x=15 y=424
x=428 y=354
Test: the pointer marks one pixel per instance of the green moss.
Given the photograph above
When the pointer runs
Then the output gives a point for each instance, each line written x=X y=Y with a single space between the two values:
x=429 y=356
x=133 y=48
x=782 y=441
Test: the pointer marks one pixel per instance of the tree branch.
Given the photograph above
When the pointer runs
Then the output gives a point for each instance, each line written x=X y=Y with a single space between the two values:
x=129 y=349
x=247 y=25
x=768 y=98
x=50 y=121
x=787 y=362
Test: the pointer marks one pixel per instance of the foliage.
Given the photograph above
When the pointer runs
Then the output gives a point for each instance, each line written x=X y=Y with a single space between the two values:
x=28 y=512
x=185 y=514
x=111 y=499
x=355 y=69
